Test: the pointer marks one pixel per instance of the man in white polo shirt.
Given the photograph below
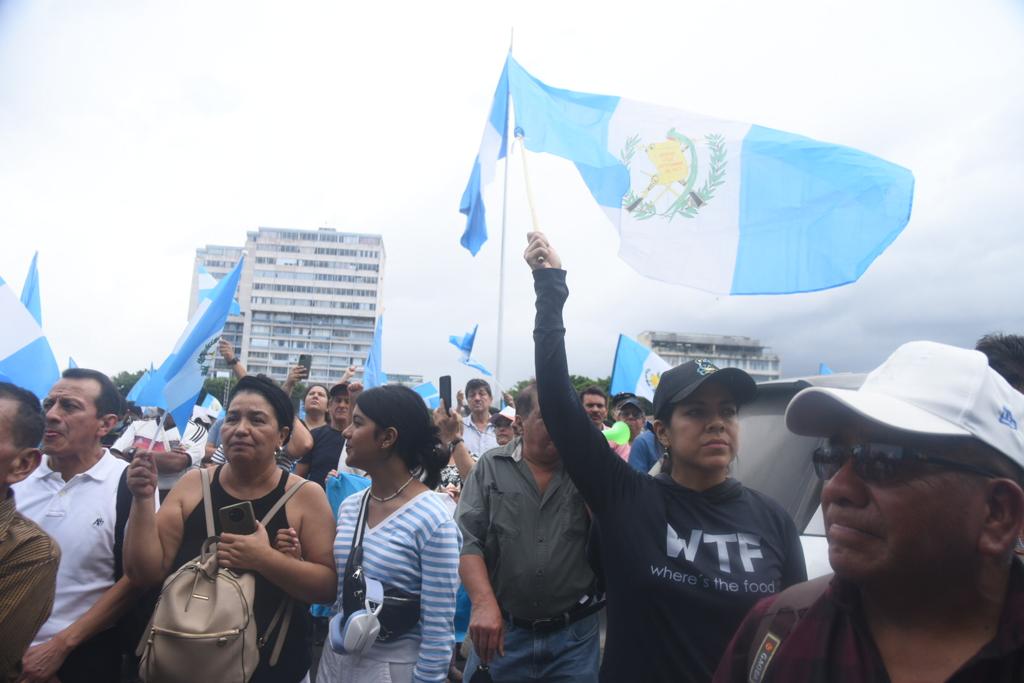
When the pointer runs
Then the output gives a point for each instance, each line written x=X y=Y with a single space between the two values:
x=74 y=496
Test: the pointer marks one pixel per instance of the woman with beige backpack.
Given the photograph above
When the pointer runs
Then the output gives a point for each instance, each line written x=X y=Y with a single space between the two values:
x=234 y=606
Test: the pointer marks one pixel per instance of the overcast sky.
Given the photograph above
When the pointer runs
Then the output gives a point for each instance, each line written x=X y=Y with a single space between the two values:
x=132 y=133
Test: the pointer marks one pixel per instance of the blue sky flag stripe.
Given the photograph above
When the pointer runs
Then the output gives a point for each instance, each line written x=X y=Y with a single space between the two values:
x=493 y=148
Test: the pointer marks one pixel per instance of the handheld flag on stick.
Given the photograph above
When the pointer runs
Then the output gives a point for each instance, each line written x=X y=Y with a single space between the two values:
x=637 y=369
x=373 y=373
x=207 y=284
x=493 y=147
x=176 y=384
x=726 y=207
x=465 y=345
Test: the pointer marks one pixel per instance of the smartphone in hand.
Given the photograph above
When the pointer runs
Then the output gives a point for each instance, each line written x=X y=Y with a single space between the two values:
x=237 y=519
x=446 y=391
x=306 y=361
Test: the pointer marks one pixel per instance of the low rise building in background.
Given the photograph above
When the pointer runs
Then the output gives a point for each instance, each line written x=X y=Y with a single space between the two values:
x=725 y=351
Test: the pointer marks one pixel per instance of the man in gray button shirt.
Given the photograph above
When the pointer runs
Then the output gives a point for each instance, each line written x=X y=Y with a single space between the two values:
x=524 y=563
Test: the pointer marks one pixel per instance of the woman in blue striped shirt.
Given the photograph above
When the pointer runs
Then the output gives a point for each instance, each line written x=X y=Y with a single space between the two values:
x=411 y=544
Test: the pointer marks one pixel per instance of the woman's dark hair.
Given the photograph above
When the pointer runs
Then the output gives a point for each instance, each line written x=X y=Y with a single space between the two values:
x=393 y=405
x=278 y=400
x=313 y=386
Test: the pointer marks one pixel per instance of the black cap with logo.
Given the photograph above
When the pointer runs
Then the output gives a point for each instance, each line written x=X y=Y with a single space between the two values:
x=681 y=381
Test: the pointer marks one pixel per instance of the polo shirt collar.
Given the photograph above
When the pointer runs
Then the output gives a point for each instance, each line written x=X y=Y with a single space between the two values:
x=103 y=468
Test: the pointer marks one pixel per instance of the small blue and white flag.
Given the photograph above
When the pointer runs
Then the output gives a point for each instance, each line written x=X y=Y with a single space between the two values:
x=637 y=369
x=373 y=372
x=207 y=284
x=214 y=407
x=465 y=345
x=176 y=384
x=71 y=363
x=431 y=396
x=726 y=207
x=824 y=369
x=493 y=147
x=26 y=358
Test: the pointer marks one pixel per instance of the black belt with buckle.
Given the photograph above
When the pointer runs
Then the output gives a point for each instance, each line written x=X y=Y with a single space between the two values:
x=550 y=624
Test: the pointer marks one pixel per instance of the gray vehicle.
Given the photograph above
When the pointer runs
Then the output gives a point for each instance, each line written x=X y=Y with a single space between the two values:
x=777 y=462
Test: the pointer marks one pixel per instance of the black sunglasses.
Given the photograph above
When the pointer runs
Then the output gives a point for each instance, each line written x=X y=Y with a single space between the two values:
x=882 y=463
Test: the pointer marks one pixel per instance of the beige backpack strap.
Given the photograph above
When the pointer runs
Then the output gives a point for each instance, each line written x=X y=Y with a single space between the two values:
x=281 y=501
x=284 y=615
x=204 y=476
x=284 y=611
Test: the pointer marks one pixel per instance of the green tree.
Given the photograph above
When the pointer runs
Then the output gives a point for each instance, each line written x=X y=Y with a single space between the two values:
x=125 y=380
x=579 y=383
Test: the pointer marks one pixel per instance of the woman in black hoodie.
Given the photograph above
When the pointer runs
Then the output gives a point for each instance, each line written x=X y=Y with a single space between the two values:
x=685 y=554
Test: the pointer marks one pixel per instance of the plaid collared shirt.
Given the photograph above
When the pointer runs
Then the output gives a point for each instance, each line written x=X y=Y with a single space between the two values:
x=832 y=644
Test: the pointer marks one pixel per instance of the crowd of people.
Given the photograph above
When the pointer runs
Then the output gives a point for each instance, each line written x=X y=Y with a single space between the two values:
x=354 y=544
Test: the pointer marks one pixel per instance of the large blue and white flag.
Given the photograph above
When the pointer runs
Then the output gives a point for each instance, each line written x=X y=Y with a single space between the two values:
x=207 y=284
x=431 y=396
x=373 y=370
x=176 y=384
x=637 y=369
x=26 y=358
x=140 y=385
x=493 y=147
x=465 y=345
x=726 y=207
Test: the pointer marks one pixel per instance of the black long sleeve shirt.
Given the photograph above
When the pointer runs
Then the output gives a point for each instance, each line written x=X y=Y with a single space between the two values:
x=682 y=567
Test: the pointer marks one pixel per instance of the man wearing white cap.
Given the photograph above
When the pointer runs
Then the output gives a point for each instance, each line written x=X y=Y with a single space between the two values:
x=922 y=503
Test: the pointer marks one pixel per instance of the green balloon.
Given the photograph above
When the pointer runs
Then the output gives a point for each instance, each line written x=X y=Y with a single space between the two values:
x=617 y=433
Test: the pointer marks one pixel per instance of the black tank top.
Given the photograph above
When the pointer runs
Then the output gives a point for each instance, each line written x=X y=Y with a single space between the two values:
x=293 y=663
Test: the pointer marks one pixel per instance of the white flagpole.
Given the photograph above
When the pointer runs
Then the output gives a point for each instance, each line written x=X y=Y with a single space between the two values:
x=504 y=221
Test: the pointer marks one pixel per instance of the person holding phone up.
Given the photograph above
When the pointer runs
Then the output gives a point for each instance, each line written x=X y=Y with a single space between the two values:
x=257 y=424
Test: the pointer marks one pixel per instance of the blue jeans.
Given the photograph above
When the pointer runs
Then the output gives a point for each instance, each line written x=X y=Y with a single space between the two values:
x=571 y=654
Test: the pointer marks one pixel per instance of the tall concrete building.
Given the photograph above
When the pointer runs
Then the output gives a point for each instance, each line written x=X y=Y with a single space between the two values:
x=724 y=351
x=316 y=292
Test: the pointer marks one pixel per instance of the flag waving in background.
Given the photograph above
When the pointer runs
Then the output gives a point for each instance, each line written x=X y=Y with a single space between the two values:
x=26 y=358
x=373 y=372
x=725 y=207
x=431 y=396
x=465 y=345
x=637 y=369
x=493 y=147
x=207 y=284
x=176 y=384
x=30 y=298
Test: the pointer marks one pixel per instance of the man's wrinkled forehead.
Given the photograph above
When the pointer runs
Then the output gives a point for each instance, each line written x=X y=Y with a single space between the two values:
x=84 y=390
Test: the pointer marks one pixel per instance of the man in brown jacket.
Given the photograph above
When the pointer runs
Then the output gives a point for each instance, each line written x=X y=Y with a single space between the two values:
x=28 y=557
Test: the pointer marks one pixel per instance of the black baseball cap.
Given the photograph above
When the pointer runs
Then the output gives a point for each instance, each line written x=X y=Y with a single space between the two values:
x=339 y=389
x=681 y=381
x=619 y=401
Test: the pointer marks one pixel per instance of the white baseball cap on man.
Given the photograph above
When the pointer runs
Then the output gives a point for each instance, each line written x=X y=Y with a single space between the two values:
x=922 y=388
